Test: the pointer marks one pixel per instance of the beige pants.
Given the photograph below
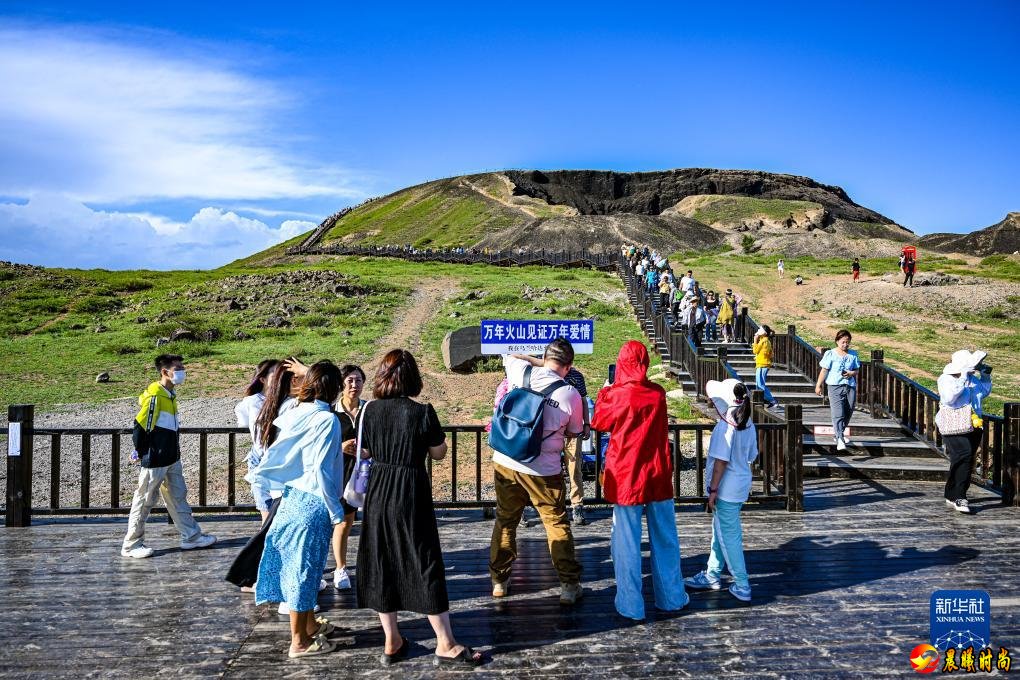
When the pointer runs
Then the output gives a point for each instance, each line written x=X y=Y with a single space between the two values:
x=169 y=482
x=572 y=454
x=513 y=490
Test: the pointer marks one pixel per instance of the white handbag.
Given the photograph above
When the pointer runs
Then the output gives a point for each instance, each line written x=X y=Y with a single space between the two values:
x=354 y=497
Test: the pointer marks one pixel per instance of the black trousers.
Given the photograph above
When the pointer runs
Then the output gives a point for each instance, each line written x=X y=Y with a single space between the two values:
x=961 y=449
x=245 y=569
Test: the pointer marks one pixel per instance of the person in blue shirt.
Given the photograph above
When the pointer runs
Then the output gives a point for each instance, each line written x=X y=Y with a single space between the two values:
x=965 y=381
x=838 y=371
x=306 y=459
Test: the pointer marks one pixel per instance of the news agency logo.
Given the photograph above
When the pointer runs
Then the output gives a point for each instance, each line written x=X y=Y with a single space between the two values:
x=960 y=619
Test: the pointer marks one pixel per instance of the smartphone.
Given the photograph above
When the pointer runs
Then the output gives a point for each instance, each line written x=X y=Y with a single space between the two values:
x=612 y=373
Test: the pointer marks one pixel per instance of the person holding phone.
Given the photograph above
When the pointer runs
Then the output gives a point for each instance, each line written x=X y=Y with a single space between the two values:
x=838 y=371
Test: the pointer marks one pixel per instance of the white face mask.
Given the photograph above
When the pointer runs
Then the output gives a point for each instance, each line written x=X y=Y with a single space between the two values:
x=179 y=377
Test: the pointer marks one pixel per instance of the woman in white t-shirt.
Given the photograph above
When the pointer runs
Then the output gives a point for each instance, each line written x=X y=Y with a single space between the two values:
x=247 y=412
x=732 y=449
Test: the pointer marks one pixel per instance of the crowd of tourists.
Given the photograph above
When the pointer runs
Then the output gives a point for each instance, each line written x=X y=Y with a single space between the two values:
x=321 y=452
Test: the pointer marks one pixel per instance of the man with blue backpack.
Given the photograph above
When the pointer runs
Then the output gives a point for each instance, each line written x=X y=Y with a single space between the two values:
x=528 y=432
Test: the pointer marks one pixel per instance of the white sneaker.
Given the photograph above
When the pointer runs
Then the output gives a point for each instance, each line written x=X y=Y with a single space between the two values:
x=951 y=504
x=323 y=584
x=203 y=541
x=139 y=552
x=284 y=609
x=840 y=445
x=962 y=505
x=341 y=579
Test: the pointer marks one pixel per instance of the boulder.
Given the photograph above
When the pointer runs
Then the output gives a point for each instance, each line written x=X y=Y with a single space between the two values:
x=241 y=335
x=211 y=335
x=462 y=348
x=162 y=341
x=183 y=334
x=276 y=322
x=103 y=377
x=101 y=328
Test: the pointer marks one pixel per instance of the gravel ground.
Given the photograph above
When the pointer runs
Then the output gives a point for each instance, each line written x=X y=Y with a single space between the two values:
x=212 y=412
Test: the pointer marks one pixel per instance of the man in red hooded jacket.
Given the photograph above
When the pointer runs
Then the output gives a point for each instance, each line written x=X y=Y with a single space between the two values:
x=639 y=480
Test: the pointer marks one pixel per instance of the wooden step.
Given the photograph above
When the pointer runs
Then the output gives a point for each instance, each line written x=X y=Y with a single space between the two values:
x=865 y=445
x=866 y=467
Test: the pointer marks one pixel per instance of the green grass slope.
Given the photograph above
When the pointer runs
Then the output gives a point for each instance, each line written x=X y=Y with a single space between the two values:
x=448 y=212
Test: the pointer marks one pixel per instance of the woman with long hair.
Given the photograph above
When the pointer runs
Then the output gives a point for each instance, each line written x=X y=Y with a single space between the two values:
x=247 y=412
x=762 y=349
x=306 y=460
x=400 y=561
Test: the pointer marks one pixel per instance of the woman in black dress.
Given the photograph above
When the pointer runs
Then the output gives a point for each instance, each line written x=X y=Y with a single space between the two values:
x=400 y=562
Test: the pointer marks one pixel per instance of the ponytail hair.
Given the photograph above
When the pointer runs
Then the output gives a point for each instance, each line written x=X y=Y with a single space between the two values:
x=742 y=411
x=769 y=333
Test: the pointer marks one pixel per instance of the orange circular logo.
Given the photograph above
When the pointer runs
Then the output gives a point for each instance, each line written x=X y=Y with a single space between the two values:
x=924 y=659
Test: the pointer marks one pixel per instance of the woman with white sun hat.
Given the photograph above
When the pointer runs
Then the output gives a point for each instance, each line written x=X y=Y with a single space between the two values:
x=731 y=450
x=964 y=382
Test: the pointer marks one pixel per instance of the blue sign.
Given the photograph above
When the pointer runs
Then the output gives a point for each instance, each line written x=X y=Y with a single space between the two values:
x=960 y=619
x=530 y=337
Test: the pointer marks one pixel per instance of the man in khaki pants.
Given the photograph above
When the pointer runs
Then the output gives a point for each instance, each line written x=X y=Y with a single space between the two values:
x=540 y=480
x=157 y=444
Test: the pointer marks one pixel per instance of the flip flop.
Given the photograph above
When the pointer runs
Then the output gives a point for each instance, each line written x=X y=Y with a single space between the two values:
x=399 y=655
x=465 y=658
x=320 y=645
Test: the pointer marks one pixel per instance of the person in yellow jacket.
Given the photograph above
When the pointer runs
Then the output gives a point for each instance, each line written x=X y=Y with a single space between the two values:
x=157 y=445
x=762 y=349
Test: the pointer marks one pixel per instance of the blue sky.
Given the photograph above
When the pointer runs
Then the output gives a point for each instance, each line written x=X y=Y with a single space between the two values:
x=189 y=134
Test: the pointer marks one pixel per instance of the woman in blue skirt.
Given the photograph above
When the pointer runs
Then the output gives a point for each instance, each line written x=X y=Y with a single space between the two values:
x=306 y=459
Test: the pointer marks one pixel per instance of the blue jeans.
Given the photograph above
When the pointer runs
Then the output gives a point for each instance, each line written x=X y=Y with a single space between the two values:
x=727 y=542
x=760 y=374
x=625 y=545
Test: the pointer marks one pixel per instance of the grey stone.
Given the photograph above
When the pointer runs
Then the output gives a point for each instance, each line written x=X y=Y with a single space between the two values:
x=162 y=341
x=183 y=334
x=103 y=377
x=462 y=348
x=101 y=328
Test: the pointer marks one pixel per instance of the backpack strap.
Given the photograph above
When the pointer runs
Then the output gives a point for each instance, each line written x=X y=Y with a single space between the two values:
x=553 y=387
x=527 y=377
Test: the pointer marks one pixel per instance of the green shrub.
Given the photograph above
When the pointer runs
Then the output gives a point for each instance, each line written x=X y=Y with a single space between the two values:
x=873 y=324
x=747 y=243
x=604 y=310
x=566 y=276
x=311 y=321
x=121 y=348
x=501 y=299
x=130 y=285
x=94 y=304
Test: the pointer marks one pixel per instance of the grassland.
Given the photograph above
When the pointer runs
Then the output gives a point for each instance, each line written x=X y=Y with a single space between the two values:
x=729 y=209
x=438 y=214
x=916 y=337
x=52 y=351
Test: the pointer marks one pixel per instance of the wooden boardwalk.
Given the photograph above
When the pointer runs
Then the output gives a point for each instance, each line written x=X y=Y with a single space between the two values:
x=840 y=590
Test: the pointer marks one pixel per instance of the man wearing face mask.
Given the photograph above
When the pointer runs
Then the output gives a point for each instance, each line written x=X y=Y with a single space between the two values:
x=157 y=444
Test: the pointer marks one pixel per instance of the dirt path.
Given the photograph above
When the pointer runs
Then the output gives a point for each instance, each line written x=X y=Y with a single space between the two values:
x=455 y=397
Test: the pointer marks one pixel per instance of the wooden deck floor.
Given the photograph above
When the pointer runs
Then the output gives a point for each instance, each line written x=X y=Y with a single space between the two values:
x=841 y=590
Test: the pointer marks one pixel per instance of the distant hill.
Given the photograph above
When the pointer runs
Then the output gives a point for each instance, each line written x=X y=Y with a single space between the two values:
x=691 y=209
x=1002 y=238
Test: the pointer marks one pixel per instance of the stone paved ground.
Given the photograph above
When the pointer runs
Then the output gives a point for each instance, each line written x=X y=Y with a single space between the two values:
x=841 y=590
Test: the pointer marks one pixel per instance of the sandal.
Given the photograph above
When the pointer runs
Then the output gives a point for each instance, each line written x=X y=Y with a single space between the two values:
x=465 y=658
x=320 y=645
x=325 y=627
x=399 y=655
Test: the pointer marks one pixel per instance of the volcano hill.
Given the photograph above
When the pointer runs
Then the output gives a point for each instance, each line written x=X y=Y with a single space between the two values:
x=684 y=210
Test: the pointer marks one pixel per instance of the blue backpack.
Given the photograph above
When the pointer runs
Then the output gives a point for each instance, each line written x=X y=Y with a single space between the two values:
x=517 y=424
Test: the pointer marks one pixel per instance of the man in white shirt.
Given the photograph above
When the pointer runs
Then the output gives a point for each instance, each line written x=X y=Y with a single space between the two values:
x=687 y=281
x=540 y=480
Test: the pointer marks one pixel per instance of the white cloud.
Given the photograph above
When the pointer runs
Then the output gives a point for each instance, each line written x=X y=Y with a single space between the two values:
x=104 y=120
x=54 y=230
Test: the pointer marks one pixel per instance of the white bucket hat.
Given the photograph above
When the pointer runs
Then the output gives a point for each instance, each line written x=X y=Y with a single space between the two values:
x=721 y=394
x=963 y=362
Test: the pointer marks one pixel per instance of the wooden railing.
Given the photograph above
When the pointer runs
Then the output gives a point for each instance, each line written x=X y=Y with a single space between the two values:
x=215 y=470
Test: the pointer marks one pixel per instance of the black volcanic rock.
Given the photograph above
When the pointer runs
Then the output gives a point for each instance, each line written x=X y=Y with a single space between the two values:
x=604 y=192
x=1002 y=238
